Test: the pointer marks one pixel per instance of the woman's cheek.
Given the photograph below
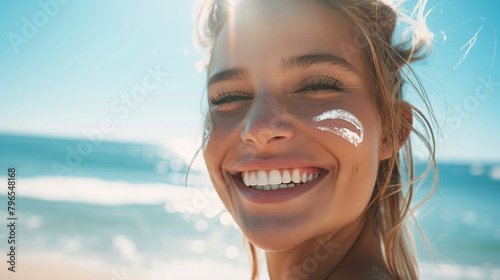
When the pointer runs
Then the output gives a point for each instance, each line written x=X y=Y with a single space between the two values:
x=353 y=132
x=214 y=156
x=339 y=123
x=218 y=144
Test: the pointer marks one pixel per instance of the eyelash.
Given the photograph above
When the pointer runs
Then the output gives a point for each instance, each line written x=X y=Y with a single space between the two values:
x=315 y=83
x=226 y=97
x=318 y=83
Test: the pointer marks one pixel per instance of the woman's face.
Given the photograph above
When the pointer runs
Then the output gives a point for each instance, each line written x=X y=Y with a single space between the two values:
x=290 y=95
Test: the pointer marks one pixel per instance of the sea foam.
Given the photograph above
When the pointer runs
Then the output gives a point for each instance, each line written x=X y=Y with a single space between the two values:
x=97 y=191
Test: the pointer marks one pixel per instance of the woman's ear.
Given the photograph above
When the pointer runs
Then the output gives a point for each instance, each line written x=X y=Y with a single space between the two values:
x=387 y=145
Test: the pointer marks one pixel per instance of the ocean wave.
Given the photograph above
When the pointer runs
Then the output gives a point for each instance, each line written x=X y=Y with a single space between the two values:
x=431 y=271
x=97 y=191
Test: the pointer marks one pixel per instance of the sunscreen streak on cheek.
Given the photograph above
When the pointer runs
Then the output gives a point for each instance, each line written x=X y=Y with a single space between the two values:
x=347 y=134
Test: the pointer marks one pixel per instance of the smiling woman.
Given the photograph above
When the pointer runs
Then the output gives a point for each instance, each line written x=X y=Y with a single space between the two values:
x=305 y=134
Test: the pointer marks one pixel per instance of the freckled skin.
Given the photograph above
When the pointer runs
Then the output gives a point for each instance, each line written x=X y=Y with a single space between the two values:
x=276 y=121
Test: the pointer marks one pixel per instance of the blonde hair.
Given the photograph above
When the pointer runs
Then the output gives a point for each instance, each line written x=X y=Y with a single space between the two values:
x=390 y=204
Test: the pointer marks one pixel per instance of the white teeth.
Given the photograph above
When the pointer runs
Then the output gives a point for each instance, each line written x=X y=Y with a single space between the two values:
x=287 y=178
x=277 y=179
x=296 y=176
x=262 y=179
x=246 y=178
x=274 y=177
x=253 y=179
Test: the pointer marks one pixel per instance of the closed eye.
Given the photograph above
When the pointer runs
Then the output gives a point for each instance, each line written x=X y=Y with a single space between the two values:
x=320 y=83
x=227 y=97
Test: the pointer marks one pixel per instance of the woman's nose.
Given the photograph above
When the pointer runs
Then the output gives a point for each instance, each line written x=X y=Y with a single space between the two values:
x=267 y=122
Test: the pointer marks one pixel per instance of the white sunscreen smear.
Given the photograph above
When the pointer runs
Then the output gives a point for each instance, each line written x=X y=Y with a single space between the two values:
x=343 y=132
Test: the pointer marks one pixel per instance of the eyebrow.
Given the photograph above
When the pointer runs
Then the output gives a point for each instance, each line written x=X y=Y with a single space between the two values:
x=232 y=74
x=299 y=61
x=306 y=61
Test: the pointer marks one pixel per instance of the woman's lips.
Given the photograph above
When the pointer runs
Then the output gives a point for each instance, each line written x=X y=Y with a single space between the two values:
x=273 y=193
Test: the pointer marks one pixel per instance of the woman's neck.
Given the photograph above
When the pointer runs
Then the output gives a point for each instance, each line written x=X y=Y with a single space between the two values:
x=322 y=256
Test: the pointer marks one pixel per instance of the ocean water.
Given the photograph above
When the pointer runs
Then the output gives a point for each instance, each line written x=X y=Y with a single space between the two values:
x=123 y=207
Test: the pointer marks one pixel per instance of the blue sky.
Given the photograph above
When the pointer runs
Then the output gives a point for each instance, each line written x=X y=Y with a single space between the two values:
x=65 y=68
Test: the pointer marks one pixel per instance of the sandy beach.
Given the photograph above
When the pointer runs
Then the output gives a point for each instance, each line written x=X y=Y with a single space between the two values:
x=29 y=269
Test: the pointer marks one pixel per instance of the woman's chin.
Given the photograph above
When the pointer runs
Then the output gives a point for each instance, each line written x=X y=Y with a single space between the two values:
x=273 y=242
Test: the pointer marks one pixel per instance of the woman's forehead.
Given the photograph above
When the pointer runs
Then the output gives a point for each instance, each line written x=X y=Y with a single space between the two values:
x=270 y=32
